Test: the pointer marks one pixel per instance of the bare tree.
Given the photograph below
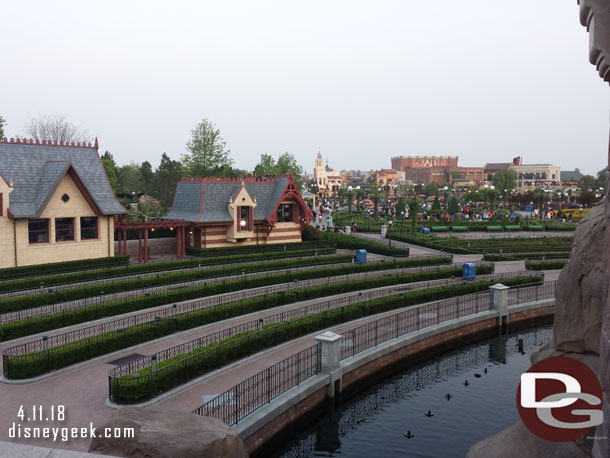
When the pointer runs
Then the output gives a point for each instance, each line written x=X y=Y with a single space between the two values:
x=56 y=128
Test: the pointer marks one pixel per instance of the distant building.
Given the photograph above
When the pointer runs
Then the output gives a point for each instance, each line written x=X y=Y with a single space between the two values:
x=249 y=211
x=491 y=168
x=326 y=179
x=387 y=177
x=570 y=178
x=437 y=169
x=537 y=175
x=56 y=203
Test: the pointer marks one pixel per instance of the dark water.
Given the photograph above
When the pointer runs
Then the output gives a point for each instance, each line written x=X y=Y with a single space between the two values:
x=372 y=423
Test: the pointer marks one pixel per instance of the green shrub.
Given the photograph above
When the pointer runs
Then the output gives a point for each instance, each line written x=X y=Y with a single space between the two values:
x=145 y=385
x=350 y=242
x=43 y=269
x=11 y=304
x=248 y=249
x=117 y=272
x=83 y=314
x=528 y=255
x=546 y=265
x=310 y=233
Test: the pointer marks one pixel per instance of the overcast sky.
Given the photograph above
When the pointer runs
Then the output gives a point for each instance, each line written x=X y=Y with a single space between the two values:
x=362 y=81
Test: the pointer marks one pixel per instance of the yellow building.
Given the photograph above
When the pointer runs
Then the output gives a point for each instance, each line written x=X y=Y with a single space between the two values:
x=248 y=211
x=56 y=203
x=328 y=181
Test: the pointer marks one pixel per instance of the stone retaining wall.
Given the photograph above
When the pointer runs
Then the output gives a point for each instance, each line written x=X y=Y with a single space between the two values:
x=268 y=422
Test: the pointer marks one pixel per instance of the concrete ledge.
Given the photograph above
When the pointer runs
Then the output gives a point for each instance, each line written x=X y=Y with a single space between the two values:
x=29 y=451
x=259 y=419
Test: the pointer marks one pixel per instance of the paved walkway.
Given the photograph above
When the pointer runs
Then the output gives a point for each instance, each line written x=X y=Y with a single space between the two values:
x=83 y=390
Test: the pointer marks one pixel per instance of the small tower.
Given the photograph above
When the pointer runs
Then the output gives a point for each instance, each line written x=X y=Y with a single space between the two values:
x=318 y=167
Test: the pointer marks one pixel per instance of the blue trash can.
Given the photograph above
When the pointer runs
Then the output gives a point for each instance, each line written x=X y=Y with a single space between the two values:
x=360 y=256
x=425 y=230
x=469 y=271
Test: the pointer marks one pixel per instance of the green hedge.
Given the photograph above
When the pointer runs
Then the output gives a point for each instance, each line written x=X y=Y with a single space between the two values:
x=57 y=320
x=349 y=242
x=11 y=304
x=493 y=245
x=546 y=265
x=527 y=255
x=43 y=269
x=129 y=390
x=250 y=249
x=402 y=227
x=37 y=363
x=73 y=277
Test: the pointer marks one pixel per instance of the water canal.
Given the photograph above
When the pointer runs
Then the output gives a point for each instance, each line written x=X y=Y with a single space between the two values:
x=373 y=423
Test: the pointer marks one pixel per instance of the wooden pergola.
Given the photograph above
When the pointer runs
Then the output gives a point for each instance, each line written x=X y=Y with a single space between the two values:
x=122 y=226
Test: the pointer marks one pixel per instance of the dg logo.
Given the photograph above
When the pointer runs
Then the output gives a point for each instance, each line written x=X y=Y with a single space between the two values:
x=560 y=399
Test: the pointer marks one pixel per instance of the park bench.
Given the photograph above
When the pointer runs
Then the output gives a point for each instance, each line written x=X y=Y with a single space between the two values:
x=511 y=227
x=459 y=228
x=439 y=228
x=494 y=228
x=535 y=227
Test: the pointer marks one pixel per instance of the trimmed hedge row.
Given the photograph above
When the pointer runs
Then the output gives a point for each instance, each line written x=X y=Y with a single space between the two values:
x=350 y=242
x=43 y=323
x=12 y=304
x=546 y=265
x=43 y=269
x=527 y=255
x=129 y=390
x=369 y=224
x=493 y=245
x=57 y=357
x=53 y=280
x=250 y=249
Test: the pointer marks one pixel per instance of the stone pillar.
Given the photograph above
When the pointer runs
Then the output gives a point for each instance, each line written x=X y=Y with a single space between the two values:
x=499 y=300
x=331 y=359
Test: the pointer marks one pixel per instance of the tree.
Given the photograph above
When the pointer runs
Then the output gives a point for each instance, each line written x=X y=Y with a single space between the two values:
x=587 y=183
x=430 y=189
x=108 y=156
x=165 y=179
x=146 y=173
x=56 y=128
x=2 y=124
x=453 y=207
x=130 y=180
x=111 y=172
x=436 y=205
x=266 y=166
x=413 y=207
x=285 y=163
x=208 y=153
x=505 y=179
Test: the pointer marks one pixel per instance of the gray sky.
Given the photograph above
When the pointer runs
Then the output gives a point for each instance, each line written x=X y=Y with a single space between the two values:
x=361 y=80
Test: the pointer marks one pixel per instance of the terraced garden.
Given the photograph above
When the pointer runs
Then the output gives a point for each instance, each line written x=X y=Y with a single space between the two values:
x=272 y=297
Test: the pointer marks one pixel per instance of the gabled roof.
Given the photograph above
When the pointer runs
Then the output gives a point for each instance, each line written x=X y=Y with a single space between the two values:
x=573 y=175
x=37 y=169
x=206 y=200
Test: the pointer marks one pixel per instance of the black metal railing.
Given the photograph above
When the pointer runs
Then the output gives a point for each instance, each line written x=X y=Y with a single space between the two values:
x=239 y=401
x=244 y=398
x=101 y=301
x=64 y=341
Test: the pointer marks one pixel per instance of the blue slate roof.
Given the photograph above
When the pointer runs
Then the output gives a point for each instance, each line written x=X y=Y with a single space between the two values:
x=36 y=170
x=208 y=201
